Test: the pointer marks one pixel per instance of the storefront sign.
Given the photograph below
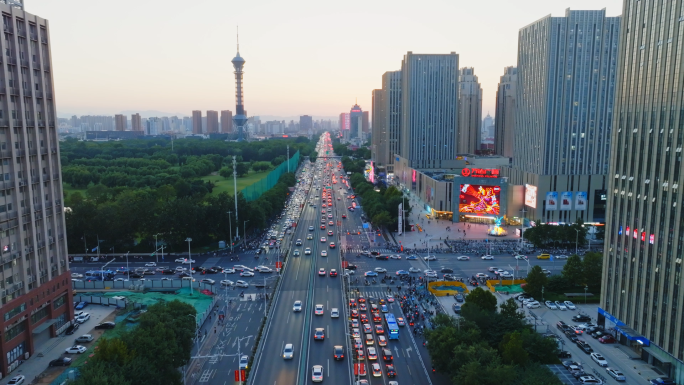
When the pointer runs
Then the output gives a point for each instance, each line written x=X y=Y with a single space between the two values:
x=481 y=172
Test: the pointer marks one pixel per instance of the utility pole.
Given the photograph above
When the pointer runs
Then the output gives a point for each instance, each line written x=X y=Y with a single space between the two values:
x=237 y=228
x=522 y=229
x=288 y=158
x=230 y=231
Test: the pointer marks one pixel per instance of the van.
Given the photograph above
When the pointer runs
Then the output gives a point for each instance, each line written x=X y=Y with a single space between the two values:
x=544 y=256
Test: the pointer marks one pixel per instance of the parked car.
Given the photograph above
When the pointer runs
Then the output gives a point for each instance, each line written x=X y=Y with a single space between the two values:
x=62 y=361
x=83 y=318
x=616 y=374
x=17 y=380
x=84 y=338
x=72 y=329
x=76 y=349
x=599 y=359
x=81 y=305
x=607 y=339
x=106 y=325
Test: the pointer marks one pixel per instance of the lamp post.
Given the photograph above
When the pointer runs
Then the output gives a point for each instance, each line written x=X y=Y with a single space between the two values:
x=128 y=270
x=576 y=240
x=156 y=247
x=244 y=234
x=585 y=294
x=230 y=231
x=190 y=262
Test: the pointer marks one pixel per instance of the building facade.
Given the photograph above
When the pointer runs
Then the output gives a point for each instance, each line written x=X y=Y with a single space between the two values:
x=305 y=123
x=355 y=122
x=120 y=122
x=35 y=285
x=504 y=118
x=226 y=121
x=386 y=135
x=429 y=130
x=136 y=123
x=212 y=122
x=379 y=147
x=642 y=292
x=564 y=113
x=470 y=112
x=196 y=122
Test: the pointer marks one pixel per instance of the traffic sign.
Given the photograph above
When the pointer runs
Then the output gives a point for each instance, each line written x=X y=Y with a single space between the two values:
x=345 y=264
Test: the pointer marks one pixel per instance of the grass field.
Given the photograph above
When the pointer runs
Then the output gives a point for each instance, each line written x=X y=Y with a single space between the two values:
x=223 y=184
x=68 y=190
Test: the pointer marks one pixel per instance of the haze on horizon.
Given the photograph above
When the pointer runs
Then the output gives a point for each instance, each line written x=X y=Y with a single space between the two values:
x=302 y=57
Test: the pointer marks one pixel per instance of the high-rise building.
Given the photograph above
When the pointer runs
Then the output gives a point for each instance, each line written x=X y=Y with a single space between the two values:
x=154 y=126
x=355 y=122
x=642 y=293
x=120 y=122
x=226 y=121
x=305 y=123
x=344 y=121
x=504 y=123
x=212 y=122
x=386 y=136
x=564 y=109
x=429 y=130
x=187 y=124
x=470 y=112
x=35 y=285
x=365 y=127
x=136 y=124
x=196 y=122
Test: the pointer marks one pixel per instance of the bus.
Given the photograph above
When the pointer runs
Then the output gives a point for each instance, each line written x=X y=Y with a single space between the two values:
x=392 y=327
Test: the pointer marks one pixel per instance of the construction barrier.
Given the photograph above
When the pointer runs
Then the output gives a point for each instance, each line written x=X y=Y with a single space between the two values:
x=442 y=288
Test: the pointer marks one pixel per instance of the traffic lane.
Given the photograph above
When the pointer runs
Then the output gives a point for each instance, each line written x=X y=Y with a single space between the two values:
x=406 y=362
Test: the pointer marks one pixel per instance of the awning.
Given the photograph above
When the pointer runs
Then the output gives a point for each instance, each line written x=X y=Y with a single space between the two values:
x=41 y=328
x=632 y=335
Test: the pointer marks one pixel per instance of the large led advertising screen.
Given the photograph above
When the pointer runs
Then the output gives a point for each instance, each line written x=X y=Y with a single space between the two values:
x=479 y=199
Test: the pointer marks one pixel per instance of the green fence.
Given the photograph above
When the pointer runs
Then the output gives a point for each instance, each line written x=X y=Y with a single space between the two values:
x=254 y=191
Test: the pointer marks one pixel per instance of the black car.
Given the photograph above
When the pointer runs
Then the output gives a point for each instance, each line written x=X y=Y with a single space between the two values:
x=459 y=298
x=106 y=325
x=351 y=267
x=375 y=253
x=182 y=275
x=561 y=325
x=391 y=373
x=259 y=251
x=338 y=352
x=449 y=277
x=136 y=275
x=382 y=257
x=581 y=318
x=387 y=355
x=149 y=272
x=585 y=347
x=447 y=270
x=212 y=271
x=457 y=308
x=71 y=329
x=572 y=337
x=169 y=271
x=63 y=361
x=564 y=354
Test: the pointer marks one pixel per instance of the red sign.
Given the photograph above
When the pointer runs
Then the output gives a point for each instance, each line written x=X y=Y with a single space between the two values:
x=481 y=172
x=345 y=264
x=237 y=375
x=279 y=265
x=243 y=375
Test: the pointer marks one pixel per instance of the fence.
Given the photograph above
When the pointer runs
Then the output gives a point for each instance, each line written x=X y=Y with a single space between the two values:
x=254 y=191
x=141 y=285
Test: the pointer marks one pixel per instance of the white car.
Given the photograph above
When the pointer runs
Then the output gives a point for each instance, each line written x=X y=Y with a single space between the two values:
x=299 y=242
x=414 y=270
x=488 y=257
x=179 y=260
x=244 y=360
x=463 y=258
x=561 y=305
x=616 y=374
x=505 y=274
x=76 y=275
x=288 y=352
x=76 y=349
x=264 y=269
x=229 y=271
x=246 y=273
x=570 y=305
x=561 y=257
x=317 y=373
x=520 y=257
x=83 y=318
x=120 y=280
x=151 y=264
x=227 y=282
x=551 y=305
x=296 y=252
x=599 y=359
x=208 y=281
x=430 y=258
x=242 y=284
x=17 y=380
x=180 y=268
x=395 y=256
x=319 y=310
x=334 y=313
x=297 y=306
x=324 y=253
x=380 y=270
x=188 y=261
x=167 y=279
x=533 y=305
x=307 y=251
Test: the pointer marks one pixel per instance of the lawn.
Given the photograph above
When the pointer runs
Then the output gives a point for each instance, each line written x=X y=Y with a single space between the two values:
x=223 y=184
x=68 y=190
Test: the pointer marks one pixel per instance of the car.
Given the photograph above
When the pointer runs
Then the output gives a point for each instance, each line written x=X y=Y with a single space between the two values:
x=383 y=308
x=358 y=344
x=338 y=352
x=412 y=257
x=382 y=341
x=179 y=260
x=546 y=271
x=395 y=256
x=62 y=361
x=330 y=233
x=106 y=325
x=379 y=329
x=246 y=273
x=343 y=215
x=431 y=258
x=307 y=251
x=208 y=281
x=323 y=239
x=244 y=361
x=332 y=245
x=360 y=355
x=533 y=305
x=84 y=338
x=319 y=334
x=505 y=274
x=323 y=226
x=487 y=257
x=607 y=339
x=188 y=261
x=369 y=339
x=76 y=349
x=241 y=284
x=334 y=313
x=372 y=355
x=311 y=228
x=662 y=381
x=570 y=305
x=298 y=242
x=599 y=359
x=321 y=272
x=356 y=333
x=400 y=321
x=447 y=270
x=380 y=270
x=330 y=223
x=561 y=305
x=296 y=252
x=370 y=274
x=318 y=310
x=561 y=257
x=414 y=270
x=521 y=257
x=81 y=305
x=288 y=352
x=544 y=256
x=551 y=305
x=584 y=347
x=83 y=318
x=390 y=299
x=493 y=269
x=333 y=272
x=355 y=313
x=151 y=264
x=581 y=318
x=616 y=374
x=16 y=380
x=297 y=306
x=367 y=328
x=72 y=329
x=76 y=275
x=227 y=282
x=377 y=372
x=589 y=380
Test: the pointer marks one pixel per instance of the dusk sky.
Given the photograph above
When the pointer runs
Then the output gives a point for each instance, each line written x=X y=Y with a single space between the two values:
x=302 y=57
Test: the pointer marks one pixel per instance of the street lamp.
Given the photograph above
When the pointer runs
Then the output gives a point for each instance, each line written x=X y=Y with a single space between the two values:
x=244 y=234
x=190 y=262
x=585 y=294
x=230 y=231
x=576 y=240
x=156 y=247
x=128 y=270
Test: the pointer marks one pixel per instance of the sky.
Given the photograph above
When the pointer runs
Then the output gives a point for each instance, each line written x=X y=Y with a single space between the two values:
x=302 y=57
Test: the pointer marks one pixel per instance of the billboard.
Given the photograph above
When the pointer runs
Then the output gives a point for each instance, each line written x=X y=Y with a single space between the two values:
x=566 y=200
x=479 y=199
x=552 y=200
x=581 y=200
x=531 y=196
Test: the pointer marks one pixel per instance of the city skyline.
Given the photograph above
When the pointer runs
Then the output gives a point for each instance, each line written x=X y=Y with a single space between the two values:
x=264 y=36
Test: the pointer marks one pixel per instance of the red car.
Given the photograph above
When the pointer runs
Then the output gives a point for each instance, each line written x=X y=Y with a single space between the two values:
x=352 y=302
x=362 y=299
x=322 y=227
x=363 y=317
x=333 y=273
x=355 y=313
x=344 y=216
x=607 y=339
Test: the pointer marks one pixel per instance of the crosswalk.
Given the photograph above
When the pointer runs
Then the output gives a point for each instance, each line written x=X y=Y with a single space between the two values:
x=358 y=250
x=375 y=293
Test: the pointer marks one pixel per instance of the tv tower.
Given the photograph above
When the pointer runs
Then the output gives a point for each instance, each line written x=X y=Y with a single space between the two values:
x=239 y=119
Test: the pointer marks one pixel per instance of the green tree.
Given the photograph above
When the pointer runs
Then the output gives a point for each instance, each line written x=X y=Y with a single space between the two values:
x=573 y=270
x=242 y=169
x=536 y=279
x=510 y=309
x=540 y=349
x=381 y=219
x=593 y=270
x=512 y=351
x=483 y=299
x=226 y=172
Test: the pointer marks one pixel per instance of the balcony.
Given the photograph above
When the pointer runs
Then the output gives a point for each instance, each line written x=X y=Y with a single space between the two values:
x=21 y=32
x=3 y=90
x=41 y=123
x=46 y=67
x=51 y=122
x=14 y=91
x=4 y=123
x=54 y=151
x=58 y=202
x=35 y=179
x=8 y=29
x=28 y=92
x=33 y=36
x=20 y=152
x=39 y=94
x=24 y=63
x=43 y=39
x=49 y=95
x=44 y=151
x=12 y=60
x=30 y=123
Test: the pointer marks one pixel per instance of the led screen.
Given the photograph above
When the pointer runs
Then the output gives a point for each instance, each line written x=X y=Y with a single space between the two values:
x=478 y=199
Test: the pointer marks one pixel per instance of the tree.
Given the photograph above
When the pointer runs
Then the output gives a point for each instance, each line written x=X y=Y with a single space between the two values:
x=593 y=270
x=382 y=219
x=540 y=349
x=481 y=298
x=510 y=309
x=536 y=279
x=226 y=172
x=512 y=351
x=242 y=169
x=573 y=270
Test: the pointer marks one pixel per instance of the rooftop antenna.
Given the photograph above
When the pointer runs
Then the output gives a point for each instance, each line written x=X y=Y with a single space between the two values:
x=238 y=38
